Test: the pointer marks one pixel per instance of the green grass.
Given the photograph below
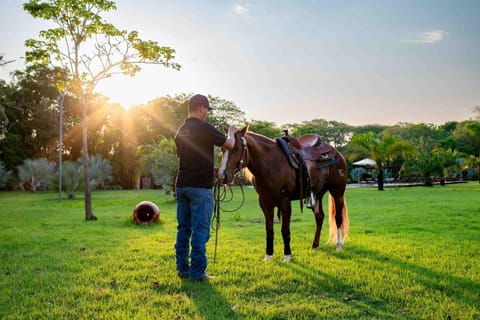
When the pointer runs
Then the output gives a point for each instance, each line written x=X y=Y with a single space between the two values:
x=412 y=253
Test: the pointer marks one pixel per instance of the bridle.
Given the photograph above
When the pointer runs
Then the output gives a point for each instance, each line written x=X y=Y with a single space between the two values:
x=241 y=163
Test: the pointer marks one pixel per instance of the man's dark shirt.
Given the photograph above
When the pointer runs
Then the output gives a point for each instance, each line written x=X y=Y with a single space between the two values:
x=195 y=142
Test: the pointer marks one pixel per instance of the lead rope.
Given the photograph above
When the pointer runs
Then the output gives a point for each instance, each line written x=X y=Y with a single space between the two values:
x=221 y=197
x=218 y=197
x=216 y=214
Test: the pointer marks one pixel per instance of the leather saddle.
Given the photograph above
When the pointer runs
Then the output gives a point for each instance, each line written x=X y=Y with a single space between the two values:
x=308 y=147
x=307 y=154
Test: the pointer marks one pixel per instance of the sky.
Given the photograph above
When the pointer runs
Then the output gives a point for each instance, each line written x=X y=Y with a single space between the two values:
x=358 y=62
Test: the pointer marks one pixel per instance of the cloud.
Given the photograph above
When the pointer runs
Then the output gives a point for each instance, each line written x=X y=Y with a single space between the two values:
x=429 y=37
x=240 y=9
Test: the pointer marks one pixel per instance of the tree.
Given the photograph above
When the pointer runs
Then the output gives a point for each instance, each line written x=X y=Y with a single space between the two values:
x=226 y=113
x=31 y=115
x=267 y=128
x=92 y=50
x=448 y=164
x=382 y=148
x=3 y=115
x=476 y=112
x=467 y=137
x=425 y=138
x=332 y=132
x=472 y=163
x=4 y=62
x=161 y=161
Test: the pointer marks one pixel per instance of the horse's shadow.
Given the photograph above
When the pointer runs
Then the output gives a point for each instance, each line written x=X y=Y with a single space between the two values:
x=463 y=292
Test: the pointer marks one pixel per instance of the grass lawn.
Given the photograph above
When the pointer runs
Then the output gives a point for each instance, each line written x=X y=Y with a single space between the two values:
x=412 y=253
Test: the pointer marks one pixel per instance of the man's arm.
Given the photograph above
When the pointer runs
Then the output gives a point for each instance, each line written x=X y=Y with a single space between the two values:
x=230 y=142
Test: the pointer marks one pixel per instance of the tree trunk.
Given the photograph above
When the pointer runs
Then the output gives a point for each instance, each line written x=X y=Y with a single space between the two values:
x=428 y=182
x=88 y=195
x=380 y=177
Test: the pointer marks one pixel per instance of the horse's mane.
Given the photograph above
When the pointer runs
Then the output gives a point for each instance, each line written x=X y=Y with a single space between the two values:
x=261 y=137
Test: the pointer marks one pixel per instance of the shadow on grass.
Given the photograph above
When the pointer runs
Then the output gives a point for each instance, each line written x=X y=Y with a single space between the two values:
x=463 y=291
x=209 y=302
x=354 y=299
x=386 y=301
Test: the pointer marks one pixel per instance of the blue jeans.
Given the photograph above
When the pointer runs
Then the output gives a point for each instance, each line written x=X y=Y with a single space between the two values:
x=194 y=213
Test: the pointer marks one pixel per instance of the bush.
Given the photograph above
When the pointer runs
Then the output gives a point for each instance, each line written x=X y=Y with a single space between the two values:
x=72 y=178
x=472 y=174
x=100 y=171
x=36 y=174
x=5 y=176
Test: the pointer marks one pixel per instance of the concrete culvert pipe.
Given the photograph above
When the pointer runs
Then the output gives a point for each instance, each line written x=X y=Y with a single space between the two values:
x=146 y=212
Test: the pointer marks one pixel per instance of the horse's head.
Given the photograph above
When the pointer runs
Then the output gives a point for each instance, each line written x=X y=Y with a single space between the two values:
x=233 y=161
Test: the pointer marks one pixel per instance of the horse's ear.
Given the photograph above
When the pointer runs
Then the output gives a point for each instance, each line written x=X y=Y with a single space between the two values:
x=225 y=129
x=244 y=130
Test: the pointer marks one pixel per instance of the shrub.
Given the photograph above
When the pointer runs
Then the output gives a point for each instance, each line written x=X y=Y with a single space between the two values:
x=100 y=171
x=472 y=174
x=5 y=175
x=36 y=174
x=72 y=178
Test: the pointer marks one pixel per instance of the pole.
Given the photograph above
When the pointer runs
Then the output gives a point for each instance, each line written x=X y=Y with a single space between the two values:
x=60 y=145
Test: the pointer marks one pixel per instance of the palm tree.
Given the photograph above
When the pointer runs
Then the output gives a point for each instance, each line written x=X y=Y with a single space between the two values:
x=72 y=178
x=37 y=173
x=447 y=160
x=382 y=148
x=473 y=162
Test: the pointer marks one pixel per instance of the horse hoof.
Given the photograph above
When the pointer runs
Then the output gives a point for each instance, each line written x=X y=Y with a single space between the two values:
x=287 y=258
x=339 y=247
x=267 y=257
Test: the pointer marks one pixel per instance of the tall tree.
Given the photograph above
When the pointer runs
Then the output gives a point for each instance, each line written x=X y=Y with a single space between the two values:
x=332 y=132
x=226 y=113
x=467 y=137
x=382 y=148
x=93 y=50
x=30 y=126
x=3 y=116
x=266 y=128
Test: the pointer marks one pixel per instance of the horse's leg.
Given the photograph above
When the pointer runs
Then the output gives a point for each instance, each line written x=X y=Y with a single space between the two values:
x=286 y=213
x=318 y=209
x=319 y=217
x=339 y=221
x=268 y=212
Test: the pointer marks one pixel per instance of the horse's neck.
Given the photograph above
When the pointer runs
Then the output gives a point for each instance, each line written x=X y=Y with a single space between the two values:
x=258 y=149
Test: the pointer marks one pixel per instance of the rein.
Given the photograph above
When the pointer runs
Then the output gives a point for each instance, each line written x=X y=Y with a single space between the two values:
x=244 y=155
x=220 y=197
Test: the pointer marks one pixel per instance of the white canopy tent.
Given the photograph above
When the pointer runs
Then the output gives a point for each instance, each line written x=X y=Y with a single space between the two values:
x=367 y=162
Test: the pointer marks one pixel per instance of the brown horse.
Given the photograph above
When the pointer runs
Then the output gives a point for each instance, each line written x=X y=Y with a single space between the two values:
x=277 y=184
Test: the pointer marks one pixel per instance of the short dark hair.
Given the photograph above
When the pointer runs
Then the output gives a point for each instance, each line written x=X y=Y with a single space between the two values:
x=197 y=101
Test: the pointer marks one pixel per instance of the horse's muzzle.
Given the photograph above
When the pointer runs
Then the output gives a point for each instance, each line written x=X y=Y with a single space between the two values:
x=225 y=176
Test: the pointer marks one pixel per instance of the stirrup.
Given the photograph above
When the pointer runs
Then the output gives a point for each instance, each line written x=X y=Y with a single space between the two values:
x=310 y=203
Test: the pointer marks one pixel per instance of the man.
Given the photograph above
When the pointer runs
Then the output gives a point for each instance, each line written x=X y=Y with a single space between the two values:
x=195 y=140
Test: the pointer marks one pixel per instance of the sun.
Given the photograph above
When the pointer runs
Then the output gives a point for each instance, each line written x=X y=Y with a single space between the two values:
x=150 y=83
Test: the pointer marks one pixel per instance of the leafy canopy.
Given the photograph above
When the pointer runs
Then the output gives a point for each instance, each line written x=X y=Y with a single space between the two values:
x=90 y=47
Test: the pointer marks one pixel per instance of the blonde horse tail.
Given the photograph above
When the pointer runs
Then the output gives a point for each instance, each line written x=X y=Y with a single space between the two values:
x=333 y=229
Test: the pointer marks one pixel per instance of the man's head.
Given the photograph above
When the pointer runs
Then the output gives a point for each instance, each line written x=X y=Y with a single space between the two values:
x=198 y=101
